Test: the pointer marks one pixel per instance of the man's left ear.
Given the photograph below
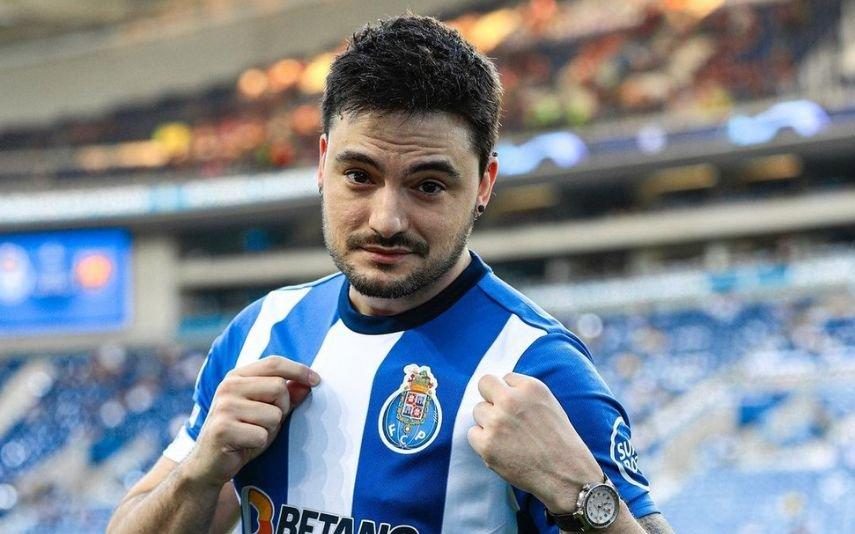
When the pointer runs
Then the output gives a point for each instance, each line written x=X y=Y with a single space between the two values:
x=323 y=144
x=488 y=180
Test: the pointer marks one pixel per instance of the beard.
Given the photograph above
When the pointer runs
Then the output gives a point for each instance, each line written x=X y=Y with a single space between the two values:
x=410 y=283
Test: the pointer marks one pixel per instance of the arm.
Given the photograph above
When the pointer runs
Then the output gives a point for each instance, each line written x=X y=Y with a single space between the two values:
x=552 y=463
x=162 y=492
x=196 y=494
x=655 y=524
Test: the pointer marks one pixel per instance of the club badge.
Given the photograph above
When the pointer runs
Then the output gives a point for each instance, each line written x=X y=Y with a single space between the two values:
x=411 y=416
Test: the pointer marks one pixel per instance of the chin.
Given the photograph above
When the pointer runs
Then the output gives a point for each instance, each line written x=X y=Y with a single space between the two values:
x=378 y=285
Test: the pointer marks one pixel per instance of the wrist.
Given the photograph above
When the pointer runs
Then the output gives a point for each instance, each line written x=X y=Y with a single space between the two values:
x=193 y=474
x=566 y=485
x=597 y=508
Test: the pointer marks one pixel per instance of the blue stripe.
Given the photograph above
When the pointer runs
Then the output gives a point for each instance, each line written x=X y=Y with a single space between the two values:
x=410 y=489
x=221 y=359
x=299 y=338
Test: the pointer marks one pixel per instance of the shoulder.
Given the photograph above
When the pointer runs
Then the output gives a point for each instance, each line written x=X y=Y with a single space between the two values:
x=552 y=337
x=263 y=313
x=282 y=297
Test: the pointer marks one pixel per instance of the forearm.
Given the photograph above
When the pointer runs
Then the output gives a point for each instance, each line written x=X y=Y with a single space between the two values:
x=624 y=524
x=178 y=504
x=655 y=524
x=649 y=524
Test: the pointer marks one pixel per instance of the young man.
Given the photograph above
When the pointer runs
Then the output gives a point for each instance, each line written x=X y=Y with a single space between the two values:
x=414 y=392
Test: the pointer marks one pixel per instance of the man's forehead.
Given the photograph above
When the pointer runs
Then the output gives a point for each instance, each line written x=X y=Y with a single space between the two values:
x=400 y=119
x=431 y=131
x=384 y=121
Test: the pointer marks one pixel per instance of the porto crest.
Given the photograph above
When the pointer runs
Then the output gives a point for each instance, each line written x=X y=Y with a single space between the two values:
x=411 y=416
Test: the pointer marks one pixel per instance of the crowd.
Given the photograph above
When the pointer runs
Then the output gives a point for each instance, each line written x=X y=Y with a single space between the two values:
x=563 y=64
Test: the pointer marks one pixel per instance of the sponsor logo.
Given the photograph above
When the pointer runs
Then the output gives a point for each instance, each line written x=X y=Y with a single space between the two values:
x=410 y=418
x=624 y=456
x=293 y=520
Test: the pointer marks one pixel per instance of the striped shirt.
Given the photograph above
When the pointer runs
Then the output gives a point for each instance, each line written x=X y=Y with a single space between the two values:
x=380 y=445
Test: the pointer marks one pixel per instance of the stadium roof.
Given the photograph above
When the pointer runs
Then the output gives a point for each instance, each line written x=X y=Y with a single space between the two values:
x=27 y=20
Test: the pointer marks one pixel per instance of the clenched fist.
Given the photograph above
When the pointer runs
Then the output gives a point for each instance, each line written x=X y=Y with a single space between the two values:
x=246 y=414
x=523 y=434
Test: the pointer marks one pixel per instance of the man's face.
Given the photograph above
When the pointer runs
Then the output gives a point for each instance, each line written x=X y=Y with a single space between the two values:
x=399 y=193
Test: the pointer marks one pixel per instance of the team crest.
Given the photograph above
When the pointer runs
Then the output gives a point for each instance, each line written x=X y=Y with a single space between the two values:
x=411 y=416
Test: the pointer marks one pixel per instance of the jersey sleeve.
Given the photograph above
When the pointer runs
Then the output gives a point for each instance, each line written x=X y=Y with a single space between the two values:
x=220 y=360
x=564 y=364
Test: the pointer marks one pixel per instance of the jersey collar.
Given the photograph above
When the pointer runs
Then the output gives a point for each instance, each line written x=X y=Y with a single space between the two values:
x=369 y=324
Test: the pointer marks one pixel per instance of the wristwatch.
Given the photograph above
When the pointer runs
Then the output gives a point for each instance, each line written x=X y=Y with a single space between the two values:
x=596 y=509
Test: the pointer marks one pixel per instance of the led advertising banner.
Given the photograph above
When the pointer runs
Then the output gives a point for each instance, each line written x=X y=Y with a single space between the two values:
x=68 y=281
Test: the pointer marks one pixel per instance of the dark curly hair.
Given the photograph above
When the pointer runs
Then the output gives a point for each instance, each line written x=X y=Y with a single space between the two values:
x=414 y=64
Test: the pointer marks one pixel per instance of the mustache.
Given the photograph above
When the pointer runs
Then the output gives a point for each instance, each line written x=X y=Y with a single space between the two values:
x=415 y=246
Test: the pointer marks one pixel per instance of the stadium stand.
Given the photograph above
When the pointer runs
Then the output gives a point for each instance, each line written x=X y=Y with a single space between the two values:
x=649 y=57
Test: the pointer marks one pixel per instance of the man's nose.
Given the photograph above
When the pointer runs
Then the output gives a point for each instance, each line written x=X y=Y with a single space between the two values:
x=388 y=212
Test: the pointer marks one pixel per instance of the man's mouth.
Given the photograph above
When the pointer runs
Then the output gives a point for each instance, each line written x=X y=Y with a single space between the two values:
x=386 y=255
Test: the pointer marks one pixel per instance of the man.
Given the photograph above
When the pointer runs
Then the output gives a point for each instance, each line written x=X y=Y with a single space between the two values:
x=414 y=392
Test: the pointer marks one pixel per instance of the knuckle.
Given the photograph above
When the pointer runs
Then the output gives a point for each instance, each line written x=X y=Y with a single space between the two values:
x=501 y=419
x=219 y=430
x=536 y=385
x=231 y=375
x=488 y=456
x=527 y=385
x=229 y=383
x=260 y=438
x=503 y=399
x=280 y=386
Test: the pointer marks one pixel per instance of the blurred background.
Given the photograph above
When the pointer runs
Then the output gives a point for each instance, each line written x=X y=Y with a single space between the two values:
x=677 y=186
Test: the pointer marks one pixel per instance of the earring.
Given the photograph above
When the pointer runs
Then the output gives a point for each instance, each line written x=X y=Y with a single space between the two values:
x=479 y=210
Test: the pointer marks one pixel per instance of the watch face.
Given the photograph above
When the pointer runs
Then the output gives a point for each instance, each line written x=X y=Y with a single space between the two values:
x=601 y=506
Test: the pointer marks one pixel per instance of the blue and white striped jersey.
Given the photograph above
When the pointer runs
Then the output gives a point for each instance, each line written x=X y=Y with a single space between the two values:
x=380 y=445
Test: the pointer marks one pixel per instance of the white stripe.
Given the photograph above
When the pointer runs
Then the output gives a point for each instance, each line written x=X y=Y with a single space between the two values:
x=477 y=499
x=326 y=430
x=180 y=446
x=275 y=308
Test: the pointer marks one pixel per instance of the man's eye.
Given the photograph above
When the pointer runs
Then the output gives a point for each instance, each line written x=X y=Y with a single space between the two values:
x=358 y=177
x=431 y=188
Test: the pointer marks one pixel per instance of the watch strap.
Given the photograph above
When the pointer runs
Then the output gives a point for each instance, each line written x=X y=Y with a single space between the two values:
x=571 y=521
x=566 y=522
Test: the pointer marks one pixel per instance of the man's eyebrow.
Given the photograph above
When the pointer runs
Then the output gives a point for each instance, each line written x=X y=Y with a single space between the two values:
x=351 y=156
x=438 y=166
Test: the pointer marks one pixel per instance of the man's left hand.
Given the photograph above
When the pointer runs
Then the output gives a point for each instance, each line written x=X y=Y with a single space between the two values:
x=523 y=434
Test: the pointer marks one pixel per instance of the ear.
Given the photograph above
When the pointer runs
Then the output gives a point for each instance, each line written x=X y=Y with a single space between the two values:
x=488 y=180
x=323 y=144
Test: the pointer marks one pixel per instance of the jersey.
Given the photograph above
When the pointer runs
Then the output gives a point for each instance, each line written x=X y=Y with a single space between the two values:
x=380 y=446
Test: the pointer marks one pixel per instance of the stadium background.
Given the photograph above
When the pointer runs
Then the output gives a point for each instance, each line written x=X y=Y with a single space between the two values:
x=677 y=186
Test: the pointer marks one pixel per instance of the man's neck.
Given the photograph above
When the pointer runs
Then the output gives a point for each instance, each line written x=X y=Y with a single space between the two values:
x=382 y=307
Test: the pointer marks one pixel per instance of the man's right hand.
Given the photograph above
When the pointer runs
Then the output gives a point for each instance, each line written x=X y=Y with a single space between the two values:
x=245 y=416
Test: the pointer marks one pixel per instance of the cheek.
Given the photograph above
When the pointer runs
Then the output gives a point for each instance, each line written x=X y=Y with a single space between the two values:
x=342 y=216
x=444 y=227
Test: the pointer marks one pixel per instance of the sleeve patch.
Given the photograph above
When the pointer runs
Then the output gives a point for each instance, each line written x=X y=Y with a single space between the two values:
x=624 y=456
